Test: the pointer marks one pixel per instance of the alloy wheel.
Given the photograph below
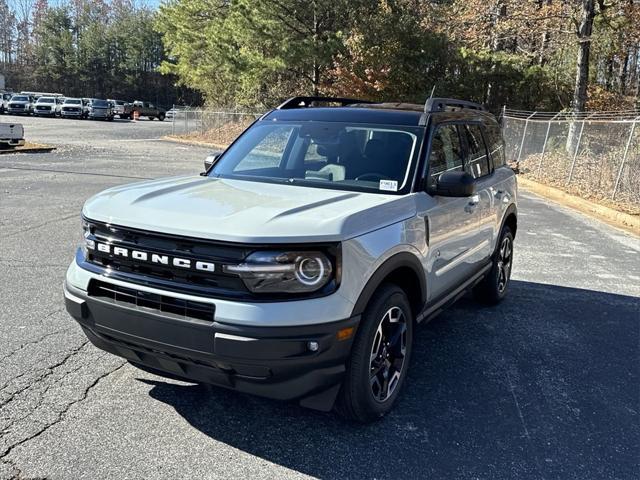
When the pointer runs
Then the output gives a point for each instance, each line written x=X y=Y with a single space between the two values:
x=504 y=263
x=388 y=354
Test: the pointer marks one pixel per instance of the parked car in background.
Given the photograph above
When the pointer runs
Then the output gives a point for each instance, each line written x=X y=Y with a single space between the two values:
x=11 y=135
x=45 y=106
x=100 y=110
x=72 y=108
x=20 y=105
x=149 y=110
x=121 y=108
x=4 y=101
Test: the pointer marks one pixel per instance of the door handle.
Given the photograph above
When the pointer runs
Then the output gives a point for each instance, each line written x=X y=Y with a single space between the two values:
x=473 y=203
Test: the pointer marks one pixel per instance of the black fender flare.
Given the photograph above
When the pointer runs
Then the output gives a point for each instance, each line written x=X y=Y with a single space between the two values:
x=399 y=260
x=510 y=209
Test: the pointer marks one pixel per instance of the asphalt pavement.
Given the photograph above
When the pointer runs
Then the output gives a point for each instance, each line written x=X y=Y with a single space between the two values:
x=543 y=386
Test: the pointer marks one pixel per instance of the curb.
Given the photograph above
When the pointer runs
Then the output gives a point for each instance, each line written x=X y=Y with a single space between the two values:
x=198 y=143
x=33 y=148
x=629 y=223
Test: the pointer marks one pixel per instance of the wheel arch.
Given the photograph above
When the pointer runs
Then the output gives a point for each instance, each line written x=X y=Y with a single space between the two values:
x=402 y=269
x=510 y=219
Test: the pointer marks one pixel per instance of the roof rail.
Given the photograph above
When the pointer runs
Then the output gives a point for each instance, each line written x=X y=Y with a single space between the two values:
x=304 y=102
x=441 y=104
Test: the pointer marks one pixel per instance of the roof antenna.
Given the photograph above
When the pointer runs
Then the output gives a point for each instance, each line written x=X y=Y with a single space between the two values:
x=426 y=104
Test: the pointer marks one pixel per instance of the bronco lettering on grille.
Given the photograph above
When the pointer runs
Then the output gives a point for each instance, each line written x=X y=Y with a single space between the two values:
x=151 y=257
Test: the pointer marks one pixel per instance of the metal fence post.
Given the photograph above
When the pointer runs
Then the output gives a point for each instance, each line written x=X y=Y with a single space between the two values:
x=173 y=120
x=544 y=146
x=624 y=159
x=575 y=154
x=524 y=134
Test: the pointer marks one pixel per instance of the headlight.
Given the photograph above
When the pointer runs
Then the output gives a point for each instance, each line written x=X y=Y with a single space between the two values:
x=284 y=272
x=86 y=243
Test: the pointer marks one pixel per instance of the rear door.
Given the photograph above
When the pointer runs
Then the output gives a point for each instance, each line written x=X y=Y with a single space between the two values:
x=478 y=165
x=452 y=223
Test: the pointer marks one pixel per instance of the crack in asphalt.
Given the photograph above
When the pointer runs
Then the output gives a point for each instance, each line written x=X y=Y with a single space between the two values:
x=40 y=339
x=34 y=227
x=61 y=415
x=90 y=174
x=41 y=398
x=49 y=371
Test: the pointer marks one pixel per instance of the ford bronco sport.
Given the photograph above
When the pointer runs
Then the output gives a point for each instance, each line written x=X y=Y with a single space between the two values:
x=299 y=263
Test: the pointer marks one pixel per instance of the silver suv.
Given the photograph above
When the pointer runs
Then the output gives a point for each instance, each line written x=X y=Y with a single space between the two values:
x=298 y=265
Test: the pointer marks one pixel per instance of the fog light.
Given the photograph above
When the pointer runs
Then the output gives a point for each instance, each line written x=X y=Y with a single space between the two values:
x=313 y=346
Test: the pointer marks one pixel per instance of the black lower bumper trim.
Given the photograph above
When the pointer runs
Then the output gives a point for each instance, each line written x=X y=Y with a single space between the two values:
x=274 y=362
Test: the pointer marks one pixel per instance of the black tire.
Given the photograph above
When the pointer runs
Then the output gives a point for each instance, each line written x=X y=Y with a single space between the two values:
x=362 y=397
x=161 y=117
x=151 y=118
x=493 y=288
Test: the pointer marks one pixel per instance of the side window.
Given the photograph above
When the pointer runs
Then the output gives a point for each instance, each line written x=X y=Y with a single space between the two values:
x=446 y=153
x=493 y=134
x=477 y=164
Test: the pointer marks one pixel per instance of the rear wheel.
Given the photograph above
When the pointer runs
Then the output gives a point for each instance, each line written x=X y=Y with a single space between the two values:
x=493 y=288
x=379 y=357
x=161 y=117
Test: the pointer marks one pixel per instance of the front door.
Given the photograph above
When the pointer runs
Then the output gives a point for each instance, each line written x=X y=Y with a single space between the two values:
x=452 y=223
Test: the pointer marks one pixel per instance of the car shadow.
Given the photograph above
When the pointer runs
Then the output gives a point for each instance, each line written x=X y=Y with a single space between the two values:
x=545 y=385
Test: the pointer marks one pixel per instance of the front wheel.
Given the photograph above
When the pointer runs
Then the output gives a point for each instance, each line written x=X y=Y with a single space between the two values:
x=493 y=288
x=379 y=357
x=161 y=118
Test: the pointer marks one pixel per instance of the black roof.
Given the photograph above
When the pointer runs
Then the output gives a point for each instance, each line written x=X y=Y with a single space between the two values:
x=354 y=111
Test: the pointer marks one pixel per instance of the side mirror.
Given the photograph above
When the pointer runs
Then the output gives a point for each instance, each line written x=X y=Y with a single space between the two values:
x=454 y=184
x=211 y=159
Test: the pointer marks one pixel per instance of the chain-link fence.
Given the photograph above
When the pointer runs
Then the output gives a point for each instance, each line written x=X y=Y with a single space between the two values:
x=217 y=124
x=595 y=155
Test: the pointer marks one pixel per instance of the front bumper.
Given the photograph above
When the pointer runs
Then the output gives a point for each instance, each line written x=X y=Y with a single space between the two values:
x=99 y=115
x=274 y=362
x=18 y=111
x=44 y=113
x=64 y=113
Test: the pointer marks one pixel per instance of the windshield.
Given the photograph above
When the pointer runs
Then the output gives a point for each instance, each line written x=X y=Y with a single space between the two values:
x=20 y=99
x=46 y=100
x=72 y=101
x=99 y=103
x=359 y=157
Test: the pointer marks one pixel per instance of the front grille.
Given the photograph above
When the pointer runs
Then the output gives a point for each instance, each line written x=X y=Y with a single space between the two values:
x=39 y=107
x=70 y=109
x=16 y=106
x=145 y=301
x=168 y=277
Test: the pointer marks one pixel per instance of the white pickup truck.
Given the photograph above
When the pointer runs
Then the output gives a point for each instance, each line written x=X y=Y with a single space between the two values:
x=11 y=135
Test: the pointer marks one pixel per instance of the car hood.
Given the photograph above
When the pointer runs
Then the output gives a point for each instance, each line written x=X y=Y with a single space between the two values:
x=246 y=212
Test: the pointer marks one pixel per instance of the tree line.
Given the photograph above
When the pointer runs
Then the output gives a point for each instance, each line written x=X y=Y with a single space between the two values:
x=529 y=54
x=89 y=48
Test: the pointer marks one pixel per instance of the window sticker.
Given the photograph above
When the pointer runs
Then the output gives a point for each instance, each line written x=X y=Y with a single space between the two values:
x=389 y=185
